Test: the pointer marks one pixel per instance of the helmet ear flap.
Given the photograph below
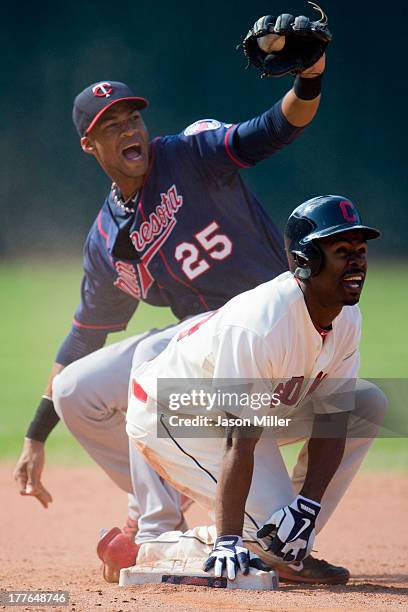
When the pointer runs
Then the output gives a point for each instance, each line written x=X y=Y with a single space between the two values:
x=309 y=261
x=315 y=258
x=303 y=270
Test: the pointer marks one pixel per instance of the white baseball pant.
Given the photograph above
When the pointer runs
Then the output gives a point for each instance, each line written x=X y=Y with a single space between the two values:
x=192 y=465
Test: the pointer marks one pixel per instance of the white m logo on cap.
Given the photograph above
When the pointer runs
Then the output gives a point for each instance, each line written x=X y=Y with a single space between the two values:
x=102 y=90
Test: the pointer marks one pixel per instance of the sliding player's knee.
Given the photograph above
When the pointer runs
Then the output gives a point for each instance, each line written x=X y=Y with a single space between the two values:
x=370 y=408
x=69 y=394
x=148 y=348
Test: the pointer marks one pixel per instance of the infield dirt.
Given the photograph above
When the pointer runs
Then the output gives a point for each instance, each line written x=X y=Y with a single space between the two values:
x=55 y=549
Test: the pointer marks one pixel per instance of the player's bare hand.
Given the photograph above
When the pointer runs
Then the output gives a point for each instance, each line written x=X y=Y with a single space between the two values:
x=316 y=69
x=28 y=471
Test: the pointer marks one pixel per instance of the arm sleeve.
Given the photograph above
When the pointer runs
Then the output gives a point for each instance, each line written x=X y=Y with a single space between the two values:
x=258 y=138
x=228 y=147
x=78 y=343
x=104 y=308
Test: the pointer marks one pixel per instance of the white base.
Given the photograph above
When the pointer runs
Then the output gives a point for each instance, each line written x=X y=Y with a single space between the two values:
x=178 y=572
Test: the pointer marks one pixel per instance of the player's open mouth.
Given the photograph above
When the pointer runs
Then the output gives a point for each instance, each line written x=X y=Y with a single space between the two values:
x=353 y=281
x=132 y=152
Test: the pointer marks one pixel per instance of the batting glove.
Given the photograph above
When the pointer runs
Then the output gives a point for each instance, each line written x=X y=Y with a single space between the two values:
x=290 y=531
x=229 y=552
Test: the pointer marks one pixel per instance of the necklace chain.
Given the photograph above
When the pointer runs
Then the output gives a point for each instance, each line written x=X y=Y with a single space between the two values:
x=120 y=202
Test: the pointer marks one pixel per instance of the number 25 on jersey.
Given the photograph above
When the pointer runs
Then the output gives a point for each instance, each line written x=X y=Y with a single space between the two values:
x=217 y=246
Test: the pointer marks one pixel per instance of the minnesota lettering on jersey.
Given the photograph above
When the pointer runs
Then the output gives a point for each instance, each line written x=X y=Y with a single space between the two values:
x=158 y=220
x=154 y=231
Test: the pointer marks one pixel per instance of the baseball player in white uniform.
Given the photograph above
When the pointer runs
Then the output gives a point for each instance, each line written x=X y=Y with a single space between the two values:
x=297 y=339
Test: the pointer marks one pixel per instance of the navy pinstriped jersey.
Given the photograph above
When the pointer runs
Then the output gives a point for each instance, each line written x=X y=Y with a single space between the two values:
x=198 y=237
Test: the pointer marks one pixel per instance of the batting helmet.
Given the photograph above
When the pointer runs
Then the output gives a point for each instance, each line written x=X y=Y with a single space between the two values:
x=317 y=218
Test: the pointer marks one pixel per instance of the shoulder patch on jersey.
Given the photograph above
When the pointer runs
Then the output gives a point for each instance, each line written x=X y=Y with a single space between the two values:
x=202 y=126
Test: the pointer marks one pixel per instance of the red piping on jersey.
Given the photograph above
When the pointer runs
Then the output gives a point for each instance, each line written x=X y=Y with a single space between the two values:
x=100 y=228
x=180 y=280
x=139 y=392
x=191 y=330
x=169 y=270
x=152 y=250
x=115 y=326
x=230 y=154
x=323 y=332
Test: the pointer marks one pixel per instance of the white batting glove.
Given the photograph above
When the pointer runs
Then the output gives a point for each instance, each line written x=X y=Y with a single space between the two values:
x=229 y=552
x=290 y=531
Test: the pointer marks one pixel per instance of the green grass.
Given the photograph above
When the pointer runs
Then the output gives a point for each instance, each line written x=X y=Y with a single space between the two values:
x=386 y=454
x=384 y=346
x=39 y=298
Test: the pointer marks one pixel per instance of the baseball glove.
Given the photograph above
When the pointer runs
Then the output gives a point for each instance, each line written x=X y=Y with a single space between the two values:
x=304 y=43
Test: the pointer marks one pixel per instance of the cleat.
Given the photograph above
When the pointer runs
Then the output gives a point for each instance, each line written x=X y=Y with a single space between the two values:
x=312 y=571
x=115 y=550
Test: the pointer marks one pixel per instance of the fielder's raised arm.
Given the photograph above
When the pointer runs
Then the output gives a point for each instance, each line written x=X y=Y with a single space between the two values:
x=286 y=44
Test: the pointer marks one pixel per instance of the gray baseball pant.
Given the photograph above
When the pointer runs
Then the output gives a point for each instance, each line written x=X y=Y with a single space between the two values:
x=91 y=396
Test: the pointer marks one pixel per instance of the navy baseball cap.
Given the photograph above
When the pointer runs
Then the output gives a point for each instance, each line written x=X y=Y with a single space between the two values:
x=93 y=101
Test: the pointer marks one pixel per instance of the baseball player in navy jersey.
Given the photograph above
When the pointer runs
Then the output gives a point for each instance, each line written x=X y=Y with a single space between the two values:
x=296 y=339
x=178 y=228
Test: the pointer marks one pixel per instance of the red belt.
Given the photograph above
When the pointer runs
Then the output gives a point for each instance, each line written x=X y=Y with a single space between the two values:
x=139 y=392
